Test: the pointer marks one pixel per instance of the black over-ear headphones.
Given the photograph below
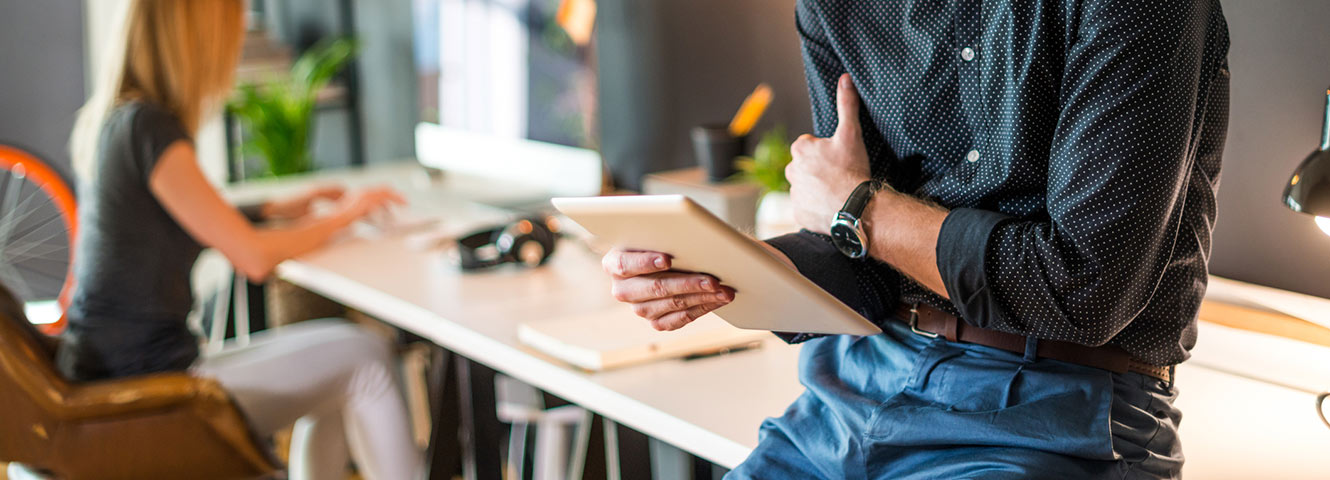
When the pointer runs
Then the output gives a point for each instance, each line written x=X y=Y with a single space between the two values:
x=529 y=241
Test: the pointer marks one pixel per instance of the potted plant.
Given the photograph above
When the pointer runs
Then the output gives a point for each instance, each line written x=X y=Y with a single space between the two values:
x=278 y=116
x=775 y=214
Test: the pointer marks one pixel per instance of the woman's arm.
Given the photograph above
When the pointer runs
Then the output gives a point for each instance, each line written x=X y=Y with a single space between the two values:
x=191 y=200
x=298 y=206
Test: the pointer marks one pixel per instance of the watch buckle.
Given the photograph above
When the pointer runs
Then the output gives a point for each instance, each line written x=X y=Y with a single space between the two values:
x=845 y=218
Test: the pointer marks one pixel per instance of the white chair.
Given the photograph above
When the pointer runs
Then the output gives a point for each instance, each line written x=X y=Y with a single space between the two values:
x=215 y=278
x=562 y=433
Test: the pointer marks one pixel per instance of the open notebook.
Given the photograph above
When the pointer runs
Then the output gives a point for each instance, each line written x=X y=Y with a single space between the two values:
x=615 y=337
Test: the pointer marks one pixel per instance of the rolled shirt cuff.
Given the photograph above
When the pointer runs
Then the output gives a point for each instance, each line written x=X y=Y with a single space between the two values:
x=961 y=247
x=820 y=262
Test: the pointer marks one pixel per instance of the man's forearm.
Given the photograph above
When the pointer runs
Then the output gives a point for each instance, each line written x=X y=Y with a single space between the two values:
x=903 y=232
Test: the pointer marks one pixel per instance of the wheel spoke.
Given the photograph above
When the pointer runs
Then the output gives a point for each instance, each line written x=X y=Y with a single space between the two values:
x=48 y=276
x=15 y=281
x=42 y=275
x=51 y=253
x=37 y=224
x=48 y=263
x=38 y=273
x=16 y=216
x=35 y=239
x=60 y=230
x=11 y=188
x=24 y=240
x=8 y=227
x=42 y=246
x=41 y=253
x=11 y=192
x=29 y=244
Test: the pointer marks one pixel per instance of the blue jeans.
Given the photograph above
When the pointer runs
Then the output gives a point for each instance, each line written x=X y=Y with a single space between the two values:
x=900 y=405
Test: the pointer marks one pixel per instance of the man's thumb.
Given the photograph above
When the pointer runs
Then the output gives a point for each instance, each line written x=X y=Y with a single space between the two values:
x=847 y=104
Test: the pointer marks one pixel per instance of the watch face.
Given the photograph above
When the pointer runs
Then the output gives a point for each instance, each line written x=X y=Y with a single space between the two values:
x=846 y=239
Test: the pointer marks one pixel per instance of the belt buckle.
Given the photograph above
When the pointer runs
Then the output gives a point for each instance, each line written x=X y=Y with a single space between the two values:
x=914 y=322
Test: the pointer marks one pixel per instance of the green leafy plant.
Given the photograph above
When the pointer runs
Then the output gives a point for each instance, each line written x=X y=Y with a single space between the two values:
x=767 y=165
x=278 y=116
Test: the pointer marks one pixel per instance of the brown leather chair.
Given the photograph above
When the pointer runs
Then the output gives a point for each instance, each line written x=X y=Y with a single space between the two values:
x=155 y=426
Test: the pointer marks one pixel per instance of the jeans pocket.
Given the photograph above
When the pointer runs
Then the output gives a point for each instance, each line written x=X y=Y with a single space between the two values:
x=1058 y=408
x=1144 y=428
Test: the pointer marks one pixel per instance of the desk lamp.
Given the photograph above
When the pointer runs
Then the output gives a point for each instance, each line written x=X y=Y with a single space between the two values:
x=1308 y=191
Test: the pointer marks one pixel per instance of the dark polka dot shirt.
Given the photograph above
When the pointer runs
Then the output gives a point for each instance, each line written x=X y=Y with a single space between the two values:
x=1077 y=145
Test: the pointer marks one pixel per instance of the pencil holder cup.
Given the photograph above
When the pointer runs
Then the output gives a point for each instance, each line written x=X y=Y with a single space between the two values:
x=716 y=150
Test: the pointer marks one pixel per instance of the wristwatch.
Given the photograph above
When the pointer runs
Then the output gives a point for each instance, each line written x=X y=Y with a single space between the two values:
x=847 y=231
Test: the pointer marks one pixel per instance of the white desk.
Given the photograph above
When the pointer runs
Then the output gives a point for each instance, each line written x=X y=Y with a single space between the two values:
x=1233 y=427
x=710 y=407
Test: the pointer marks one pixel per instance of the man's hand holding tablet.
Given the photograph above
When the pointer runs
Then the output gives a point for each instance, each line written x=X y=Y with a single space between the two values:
x=668 y=299
x=675 y=262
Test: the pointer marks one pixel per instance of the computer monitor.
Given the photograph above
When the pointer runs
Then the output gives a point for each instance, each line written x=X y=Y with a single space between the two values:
x=505 y=91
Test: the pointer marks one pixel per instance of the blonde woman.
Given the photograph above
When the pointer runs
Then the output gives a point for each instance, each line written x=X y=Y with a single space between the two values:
x=146 y=211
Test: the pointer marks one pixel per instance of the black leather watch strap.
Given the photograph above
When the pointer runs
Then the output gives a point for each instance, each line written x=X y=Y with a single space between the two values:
x=859 y=199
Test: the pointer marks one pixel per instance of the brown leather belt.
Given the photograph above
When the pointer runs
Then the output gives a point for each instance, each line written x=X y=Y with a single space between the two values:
x=931 y=322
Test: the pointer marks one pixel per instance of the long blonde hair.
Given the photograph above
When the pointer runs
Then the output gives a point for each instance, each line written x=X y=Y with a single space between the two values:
x=180 y=55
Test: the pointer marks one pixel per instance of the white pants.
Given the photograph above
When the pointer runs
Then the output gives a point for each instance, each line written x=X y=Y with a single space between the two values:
x=335 y=381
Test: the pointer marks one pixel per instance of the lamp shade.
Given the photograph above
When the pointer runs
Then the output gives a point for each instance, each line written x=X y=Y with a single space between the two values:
x=1308 y=190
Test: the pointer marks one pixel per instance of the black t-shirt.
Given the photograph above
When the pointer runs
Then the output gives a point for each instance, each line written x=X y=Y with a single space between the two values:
x=133 y=261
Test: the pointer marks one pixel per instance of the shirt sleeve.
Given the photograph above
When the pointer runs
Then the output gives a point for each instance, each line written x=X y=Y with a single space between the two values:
x=822 y=70
x=822 y=67
x=1122 y=151
x=863 y=285
x=154 y=130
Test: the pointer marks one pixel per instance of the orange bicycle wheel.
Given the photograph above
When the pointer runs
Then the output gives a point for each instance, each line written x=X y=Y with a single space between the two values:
x=38 y=225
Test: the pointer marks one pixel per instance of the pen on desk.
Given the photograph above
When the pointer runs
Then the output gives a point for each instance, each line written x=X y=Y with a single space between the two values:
x=723 y=350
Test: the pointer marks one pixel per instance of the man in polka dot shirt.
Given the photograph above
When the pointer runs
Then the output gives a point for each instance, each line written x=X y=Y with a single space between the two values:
x=1035 y=188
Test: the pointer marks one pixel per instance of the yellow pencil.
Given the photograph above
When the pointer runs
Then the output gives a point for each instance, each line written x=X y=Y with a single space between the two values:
x=751 y=111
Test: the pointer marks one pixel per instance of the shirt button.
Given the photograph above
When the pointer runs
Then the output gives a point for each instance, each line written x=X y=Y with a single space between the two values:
x=973 y=156
x=967 y=54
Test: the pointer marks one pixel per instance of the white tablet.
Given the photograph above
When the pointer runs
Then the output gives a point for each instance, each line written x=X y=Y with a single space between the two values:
x=770 y=294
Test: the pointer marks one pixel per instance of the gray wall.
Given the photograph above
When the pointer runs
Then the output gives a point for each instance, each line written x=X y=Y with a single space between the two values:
x=385 y=68
x=387 y=79
x=41 y=76
x=1280 y=60
x=667 y=65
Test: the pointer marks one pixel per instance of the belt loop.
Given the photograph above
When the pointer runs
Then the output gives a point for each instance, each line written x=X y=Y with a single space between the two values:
x=1031 y=349
x=1172 y=375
